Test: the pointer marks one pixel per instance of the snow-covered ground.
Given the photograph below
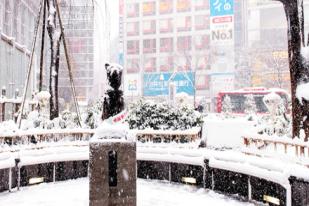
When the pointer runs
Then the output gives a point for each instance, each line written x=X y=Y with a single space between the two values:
x=149 y=193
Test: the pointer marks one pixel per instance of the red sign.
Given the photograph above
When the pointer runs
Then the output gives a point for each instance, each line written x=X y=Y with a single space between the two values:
x=222 y=19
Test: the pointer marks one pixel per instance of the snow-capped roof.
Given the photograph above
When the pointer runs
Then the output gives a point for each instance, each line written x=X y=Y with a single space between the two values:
x=255 y=90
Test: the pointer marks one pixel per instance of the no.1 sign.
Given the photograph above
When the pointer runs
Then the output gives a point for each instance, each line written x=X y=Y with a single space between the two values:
x=222 y=30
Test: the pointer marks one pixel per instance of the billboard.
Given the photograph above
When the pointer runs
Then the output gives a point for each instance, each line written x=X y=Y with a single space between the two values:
x=222 y=21
x=221 y=7
x=131 y=85
x=158 y=83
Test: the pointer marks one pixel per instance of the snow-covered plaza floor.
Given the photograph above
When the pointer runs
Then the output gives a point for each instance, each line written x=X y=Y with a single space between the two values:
x=149 y=193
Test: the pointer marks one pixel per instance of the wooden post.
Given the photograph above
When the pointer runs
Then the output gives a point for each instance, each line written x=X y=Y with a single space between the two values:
x=2 y=111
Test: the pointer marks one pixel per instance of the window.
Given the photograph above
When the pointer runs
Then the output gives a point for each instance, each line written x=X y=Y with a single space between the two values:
x=16 y=20
x=8 y=15
x=184 y=23
x=133 y=47
x=183 y=62
x=201 y=4
x=166 y=6
x=184 y=43
x=166 y=44
x=202 y=82
x=149 y=8
x=201 y=22
x=112 y=168
x=133 y=65
x=149 y=27
x=149 y=64
x=149 y=46
x=202 y=62
x=166 y=64
x=132 y=10
x=132 y=28
x=201 y=42
x=166 y=25
x=183 y=5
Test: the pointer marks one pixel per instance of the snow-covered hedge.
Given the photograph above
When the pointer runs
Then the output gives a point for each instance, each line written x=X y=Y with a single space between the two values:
x=147 y=114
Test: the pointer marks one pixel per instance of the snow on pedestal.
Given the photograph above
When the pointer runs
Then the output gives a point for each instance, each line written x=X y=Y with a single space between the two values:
x=112 y=164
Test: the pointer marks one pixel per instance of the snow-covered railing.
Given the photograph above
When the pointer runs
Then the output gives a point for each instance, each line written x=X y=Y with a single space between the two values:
x=277 y=146
x=37 y=136
x=9 y=107
x=150 y=135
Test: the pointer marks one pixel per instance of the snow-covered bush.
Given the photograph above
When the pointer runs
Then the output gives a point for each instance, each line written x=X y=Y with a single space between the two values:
x=35 y=120
x=7 y=127
x=93 y=114
x=277 y=122
x=147 y=114
x=227 y=108
x=250 y=105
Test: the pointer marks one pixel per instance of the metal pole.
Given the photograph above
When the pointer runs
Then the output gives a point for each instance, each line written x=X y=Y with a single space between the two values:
x=30 y=64
x=68 y=62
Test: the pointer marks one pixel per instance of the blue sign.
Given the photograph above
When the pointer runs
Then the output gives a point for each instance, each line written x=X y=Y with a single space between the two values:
x=120 y=59
x=221 y=7
x=158 y=83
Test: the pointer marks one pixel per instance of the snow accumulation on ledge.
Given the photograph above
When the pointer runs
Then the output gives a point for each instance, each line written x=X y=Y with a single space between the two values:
x=271 y=169
x=112 y=133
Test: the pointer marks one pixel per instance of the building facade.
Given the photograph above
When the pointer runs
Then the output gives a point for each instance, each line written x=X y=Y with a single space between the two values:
x=179 y=41
x=17 y=20
x=267 y=37
x=78 y=22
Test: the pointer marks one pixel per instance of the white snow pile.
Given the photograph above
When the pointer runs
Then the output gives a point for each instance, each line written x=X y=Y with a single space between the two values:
x=43 y=95
x=225 y=133
x=271 y=97
x=107 y=132
x=8 y=127
x=302 y=92
x=305 y=53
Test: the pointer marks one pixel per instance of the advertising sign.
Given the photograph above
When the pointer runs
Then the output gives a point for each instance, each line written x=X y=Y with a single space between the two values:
x=131 y=84
x=222 y=21
x=158 y=83
x=222 y=30
x=221 y=7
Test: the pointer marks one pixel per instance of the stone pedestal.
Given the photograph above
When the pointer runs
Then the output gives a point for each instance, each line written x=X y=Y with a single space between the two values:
x=112 y=173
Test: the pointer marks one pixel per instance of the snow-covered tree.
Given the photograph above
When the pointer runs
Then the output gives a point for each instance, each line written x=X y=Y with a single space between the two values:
x=277 y=122
x=299 y=64
x=227 y=108
x=250 y=106
x=92 y=117
x=55 y=36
